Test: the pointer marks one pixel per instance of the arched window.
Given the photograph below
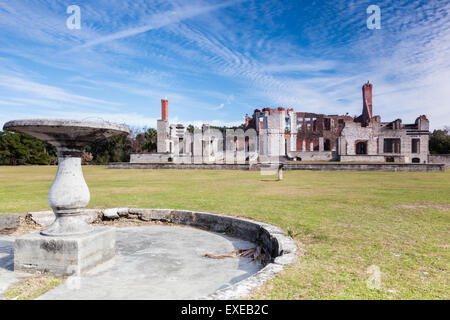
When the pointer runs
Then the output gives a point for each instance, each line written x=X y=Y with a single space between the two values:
x=361 y=147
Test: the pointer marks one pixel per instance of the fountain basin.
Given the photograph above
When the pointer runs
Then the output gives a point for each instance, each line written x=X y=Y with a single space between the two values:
x=124 y=278
x=69 y=245
x=67 y=134
x=69 y=193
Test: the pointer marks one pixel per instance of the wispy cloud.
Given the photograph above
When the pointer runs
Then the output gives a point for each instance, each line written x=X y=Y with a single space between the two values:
x=159 y=20
x=53 y=93
x=310 y=55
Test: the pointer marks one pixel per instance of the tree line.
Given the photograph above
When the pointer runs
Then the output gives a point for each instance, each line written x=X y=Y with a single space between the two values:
x=21 y=149
x=440 y=141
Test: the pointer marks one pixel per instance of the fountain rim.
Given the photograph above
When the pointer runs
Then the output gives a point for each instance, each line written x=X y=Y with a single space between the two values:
x=282 y=247
x=23 y=123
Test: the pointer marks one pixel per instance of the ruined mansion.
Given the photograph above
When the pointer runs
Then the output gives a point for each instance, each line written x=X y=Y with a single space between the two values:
x=274 y=134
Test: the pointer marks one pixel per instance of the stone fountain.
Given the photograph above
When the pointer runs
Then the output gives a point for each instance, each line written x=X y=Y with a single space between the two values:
x=70 y=245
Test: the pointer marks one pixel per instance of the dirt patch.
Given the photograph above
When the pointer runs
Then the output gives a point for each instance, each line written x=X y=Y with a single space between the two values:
x=124 y=222
x=424 y=205
x=25 y=226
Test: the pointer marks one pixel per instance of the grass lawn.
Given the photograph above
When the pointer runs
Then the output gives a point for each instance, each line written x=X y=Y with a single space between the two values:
x=343 y=222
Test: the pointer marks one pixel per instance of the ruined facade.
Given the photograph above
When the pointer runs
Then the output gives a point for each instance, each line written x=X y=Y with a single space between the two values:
x=367 y=138
x=312 y=136
x=299 y=135
x=205 y=145
x=274 y=133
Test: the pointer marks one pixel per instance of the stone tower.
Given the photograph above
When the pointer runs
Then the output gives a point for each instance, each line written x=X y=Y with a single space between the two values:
x=163 y=143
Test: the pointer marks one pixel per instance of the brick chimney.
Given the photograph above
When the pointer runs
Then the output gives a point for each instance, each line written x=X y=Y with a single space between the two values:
x=247 y=120
x=367 y=102
x=164 y=109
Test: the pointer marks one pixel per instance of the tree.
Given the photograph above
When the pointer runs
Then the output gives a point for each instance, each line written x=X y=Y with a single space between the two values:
x=146 y=141
x=86 y=157
x=190 y=128
x=21 y=148
x=114 y=149
x=440 y=142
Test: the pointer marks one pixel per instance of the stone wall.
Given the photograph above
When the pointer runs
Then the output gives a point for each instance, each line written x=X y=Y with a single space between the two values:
x=149 y=157
x=9 y=223
x=405 y=167
x=313 y=155
x=400 y=167
x=193 y=166
x=354 y=133
x=362 y=158
x=405 y=136
x=374 y=136
x=440 y=158
x=163 y=136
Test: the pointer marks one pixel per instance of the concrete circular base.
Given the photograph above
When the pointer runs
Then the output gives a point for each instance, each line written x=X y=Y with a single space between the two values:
x=161 y=262
x=167 y=262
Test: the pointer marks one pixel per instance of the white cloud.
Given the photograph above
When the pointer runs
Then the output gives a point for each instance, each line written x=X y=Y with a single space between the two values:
x=407 y=60
x=47 y=92
x=10 y=103
x=157 y=21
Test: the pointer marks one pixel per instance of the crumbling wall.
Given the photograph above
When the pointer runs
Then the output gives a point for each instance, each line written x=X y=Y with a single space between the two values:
x=406 y=134
x=353 y=133
x=162 y=145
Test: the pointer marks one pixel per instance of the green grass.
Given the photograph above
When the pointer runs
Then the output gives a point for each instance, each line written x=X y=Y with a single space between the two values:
x=343 y=222
x=31 y=288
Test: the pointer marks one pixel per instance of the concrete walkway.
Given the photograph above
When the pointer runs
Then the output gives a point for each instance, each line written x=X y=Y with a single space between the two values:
x=152 y=262
x=7 y=274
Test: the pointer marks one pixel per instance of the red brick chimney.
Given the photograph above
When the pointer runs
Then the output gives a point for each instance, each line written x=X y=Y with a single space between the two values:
x=164 y=109
x=367 y=102
x=247 y=120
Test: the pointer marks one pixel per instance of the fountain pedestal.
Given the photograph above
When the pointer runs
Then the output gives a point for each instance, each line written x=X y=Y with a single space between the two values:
x=69 y=245
x=64 y=255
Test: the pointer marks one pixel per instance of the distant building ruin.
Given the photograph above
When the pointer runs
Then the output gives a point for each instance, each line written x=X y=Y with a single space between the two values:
x=272 y=134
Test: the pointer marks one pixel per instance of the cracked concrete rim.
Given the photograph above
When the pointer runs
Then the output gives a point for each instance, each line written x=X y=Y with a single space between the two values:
x=12 y=125
x=281 y=247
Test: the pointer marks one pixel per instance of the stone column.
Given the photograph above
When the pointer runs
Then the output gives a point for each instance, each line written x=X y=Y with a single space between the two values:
x=176 y=147
x=198 y=146
x=230 y=149
x=293 y=141
x=68 y=196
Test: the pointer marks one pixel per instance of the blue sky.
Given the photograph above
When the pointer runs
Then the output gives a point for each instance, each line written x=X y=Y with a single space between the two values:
x=218 y=60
